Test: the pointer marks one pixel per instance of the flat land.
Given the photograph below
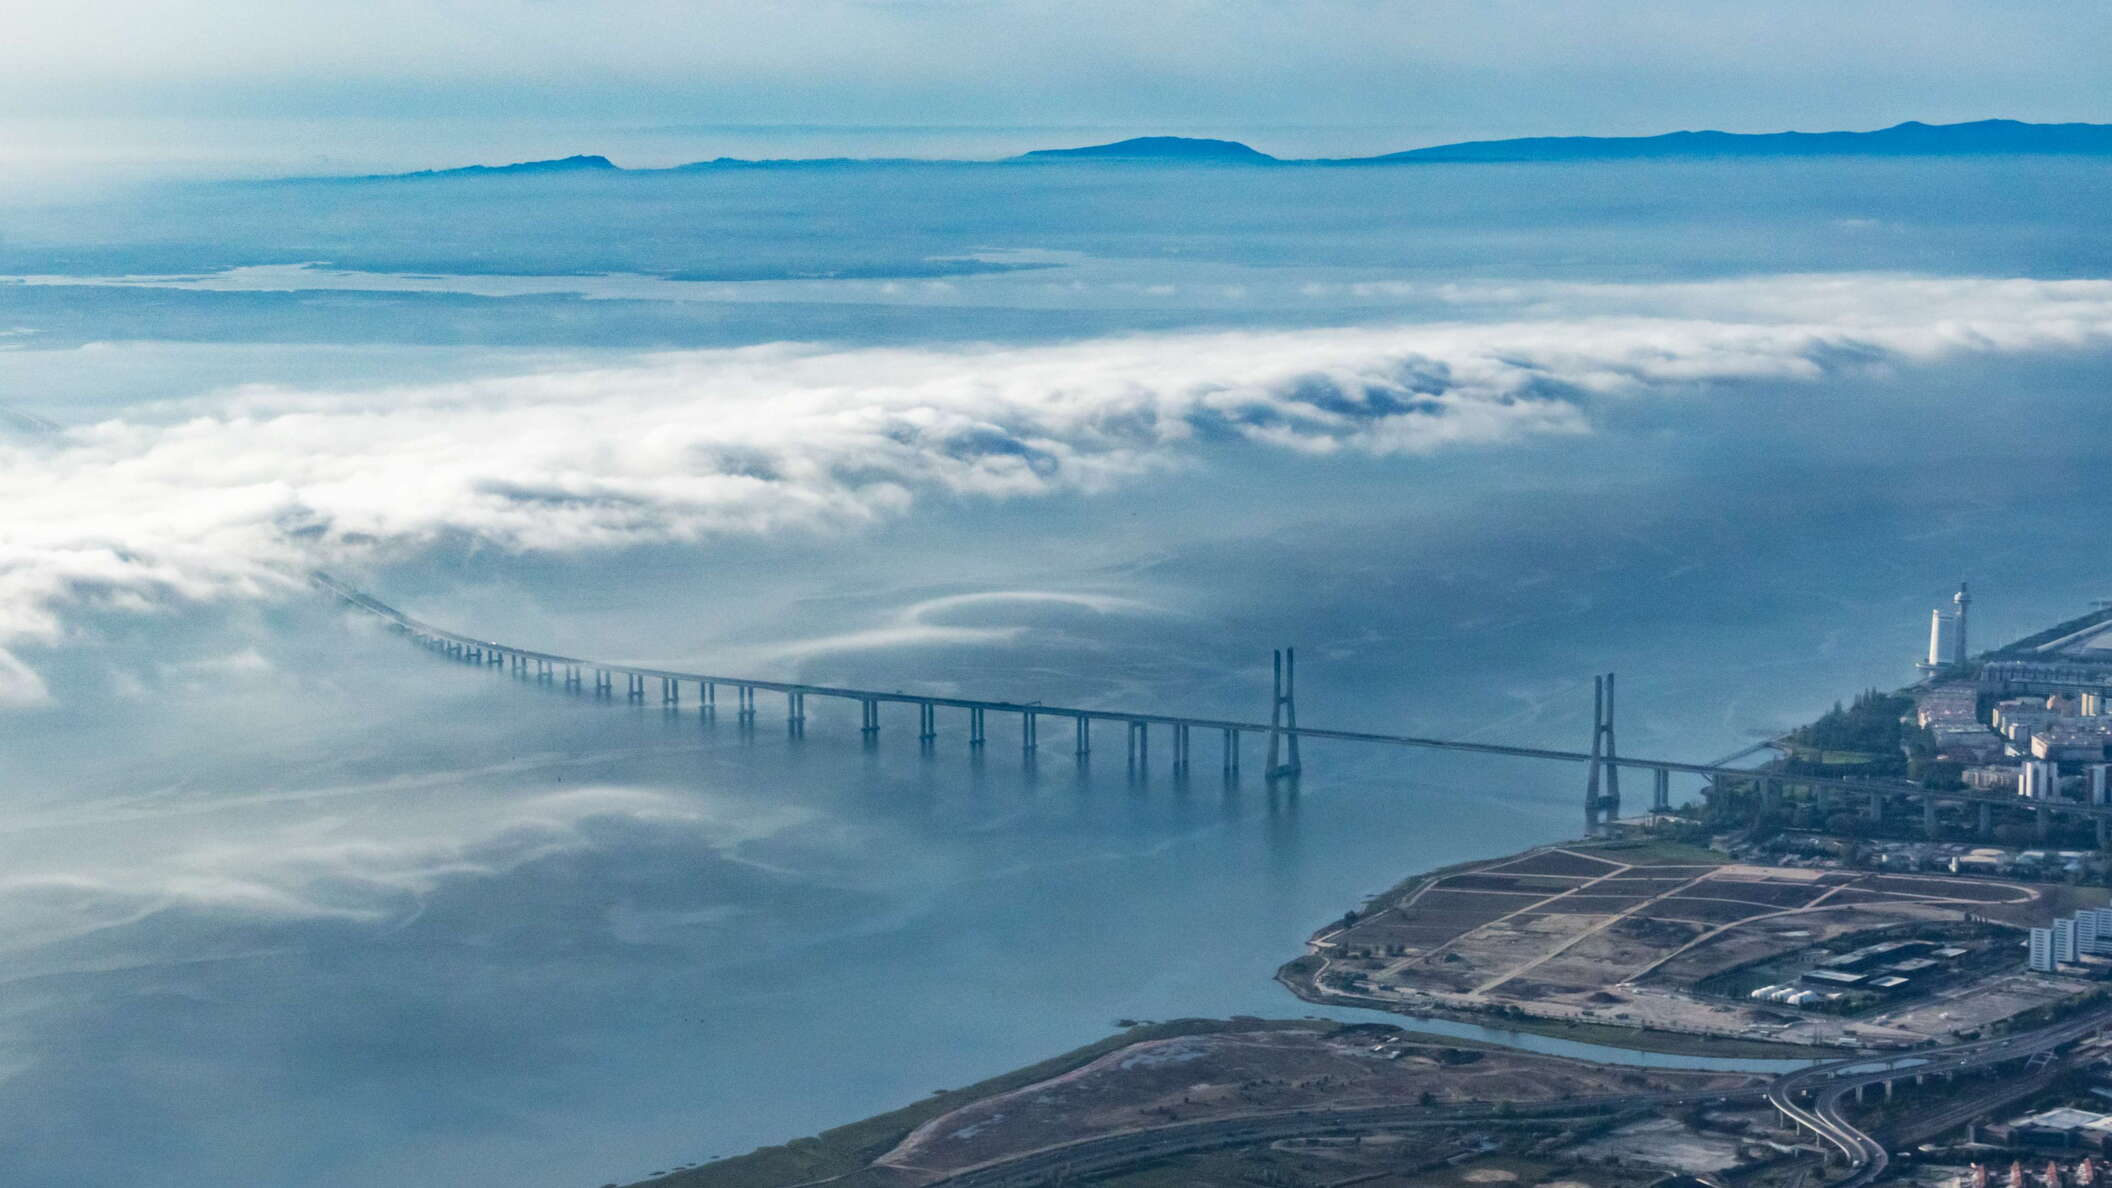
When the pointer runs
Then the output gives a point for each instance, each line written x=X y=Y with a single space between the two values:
x=1198 y=1070
x=1231 y=1076
x=1620 y=936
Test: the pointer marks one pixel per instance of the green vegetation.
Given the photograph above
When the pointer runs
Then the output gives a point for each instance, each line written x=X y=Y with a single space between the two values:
x=1865 y=737
x=846 y=1149
x=1652 y=852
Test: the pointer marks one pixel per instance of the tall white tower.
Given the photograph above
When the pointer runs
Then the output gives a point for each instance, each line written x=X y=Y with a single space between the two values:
x=1962 y=601
x=1937 y=619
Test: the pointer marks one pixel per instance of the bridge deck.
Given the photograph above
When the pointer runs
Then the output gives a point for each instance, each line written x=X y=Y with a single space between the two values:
x=382 y=610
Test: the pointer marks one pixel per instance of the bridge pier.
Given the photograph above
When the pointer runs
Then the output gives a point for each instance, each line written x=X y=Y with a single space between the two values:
x=707 y=699
x=670 y=691
x=870 y=724
x=1661 y=791
x=744 y=707
x=975 y=727
x=603 y=687
x=927 y=721
x=1139 y=744
x=634 y=686
x=1085 y=736
x=796 y=712
x=1180 y=746
x=1029 y=731
x=1231 y=751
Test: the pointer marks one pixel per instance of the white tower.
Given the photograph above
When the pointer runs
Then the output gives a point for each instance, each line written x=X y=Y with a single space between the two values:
x=1936 y=649
x=1962 y=601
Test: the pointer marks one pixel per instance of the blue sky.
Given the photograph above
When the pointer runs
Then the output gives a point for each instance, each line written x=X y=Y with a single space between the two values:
x=246 y=84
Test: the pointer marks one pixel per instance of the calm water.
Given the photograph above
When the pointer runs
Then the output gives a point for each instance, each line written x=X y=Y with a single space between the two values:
x=289 y=902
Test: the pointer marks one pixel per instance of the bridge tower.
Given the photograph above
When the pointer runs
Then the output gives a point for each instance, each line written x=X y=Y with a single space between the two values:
x=1602 y=784
x=1283 y=718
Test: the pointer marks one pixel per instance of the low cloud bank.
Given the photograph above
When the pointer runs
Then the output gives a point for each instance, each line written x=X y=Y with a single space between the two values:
x=235 y=494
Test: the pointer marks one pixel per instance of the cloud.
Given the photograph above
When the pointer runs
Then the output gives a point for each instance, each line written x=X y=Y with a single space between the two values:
x=236 y=494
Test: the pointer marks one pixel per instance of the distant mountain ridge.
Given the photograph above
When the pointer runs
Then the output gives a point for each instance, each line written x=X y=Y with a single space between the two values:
x=1910 y=139
x=578 y=163
x=1155 y=148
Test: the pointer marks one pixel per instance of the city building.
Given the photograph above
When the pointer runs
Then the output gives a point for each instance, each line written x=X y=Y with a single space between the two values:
x=1991 y=778
x=2042 y=950
x=2039 y=779
x=2064 y=952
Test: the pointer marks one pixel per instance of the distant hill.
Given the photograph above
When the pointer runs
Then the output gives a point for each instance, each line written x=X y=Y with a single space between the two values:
x=1156 y=148
x=581 y=163
x=1911 y=139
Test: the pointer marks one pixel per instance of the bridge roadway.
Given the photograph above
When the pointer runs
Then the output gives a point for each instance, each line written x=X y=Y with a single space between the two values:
x=1829 y=1083
x=493 y=652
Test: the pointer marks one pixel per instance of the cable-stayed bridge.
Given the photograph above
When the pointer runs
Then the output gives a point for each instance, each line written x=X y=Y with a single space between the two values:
x=1282 y=733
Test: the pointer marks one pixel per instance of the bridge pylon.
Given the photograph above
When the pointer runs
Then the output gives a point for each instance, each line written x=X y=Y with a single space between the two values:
x=1283 y=719
x=1602 y=783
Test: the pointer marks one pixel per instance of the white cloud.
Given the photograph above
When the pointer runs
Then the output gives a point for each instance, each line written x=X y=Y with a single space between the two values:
x=234 y=495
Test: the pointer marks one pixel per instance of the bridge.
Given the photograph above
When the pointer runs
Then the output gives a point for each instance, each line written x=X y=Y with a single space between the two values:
x=1283 y=731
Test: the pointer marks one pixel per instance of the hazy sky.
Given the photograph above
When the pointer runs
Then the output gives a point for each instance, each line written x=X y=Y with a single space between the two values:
x=74 y=79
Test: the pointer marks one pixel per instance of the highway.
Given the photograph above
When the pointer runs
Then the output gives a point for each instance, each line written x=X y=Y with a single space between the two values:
x=1830 y=1083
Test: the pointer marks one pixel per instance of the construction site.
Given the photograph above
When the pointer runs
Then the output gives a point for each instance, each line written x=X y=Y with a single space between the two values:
x=1676 y=939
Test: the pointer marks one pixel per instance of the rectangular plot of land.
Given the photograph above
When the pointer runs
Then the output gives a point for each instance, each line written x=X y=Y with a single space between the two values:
x=1947 y=888
x=1641 y=887
x=1708 y=911
x=1589 y=905
x=1536 y=884
x=1556 y=863
x=1479 y=905
x=1663 y=872
x=1777 y=894
x=1848 y=895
